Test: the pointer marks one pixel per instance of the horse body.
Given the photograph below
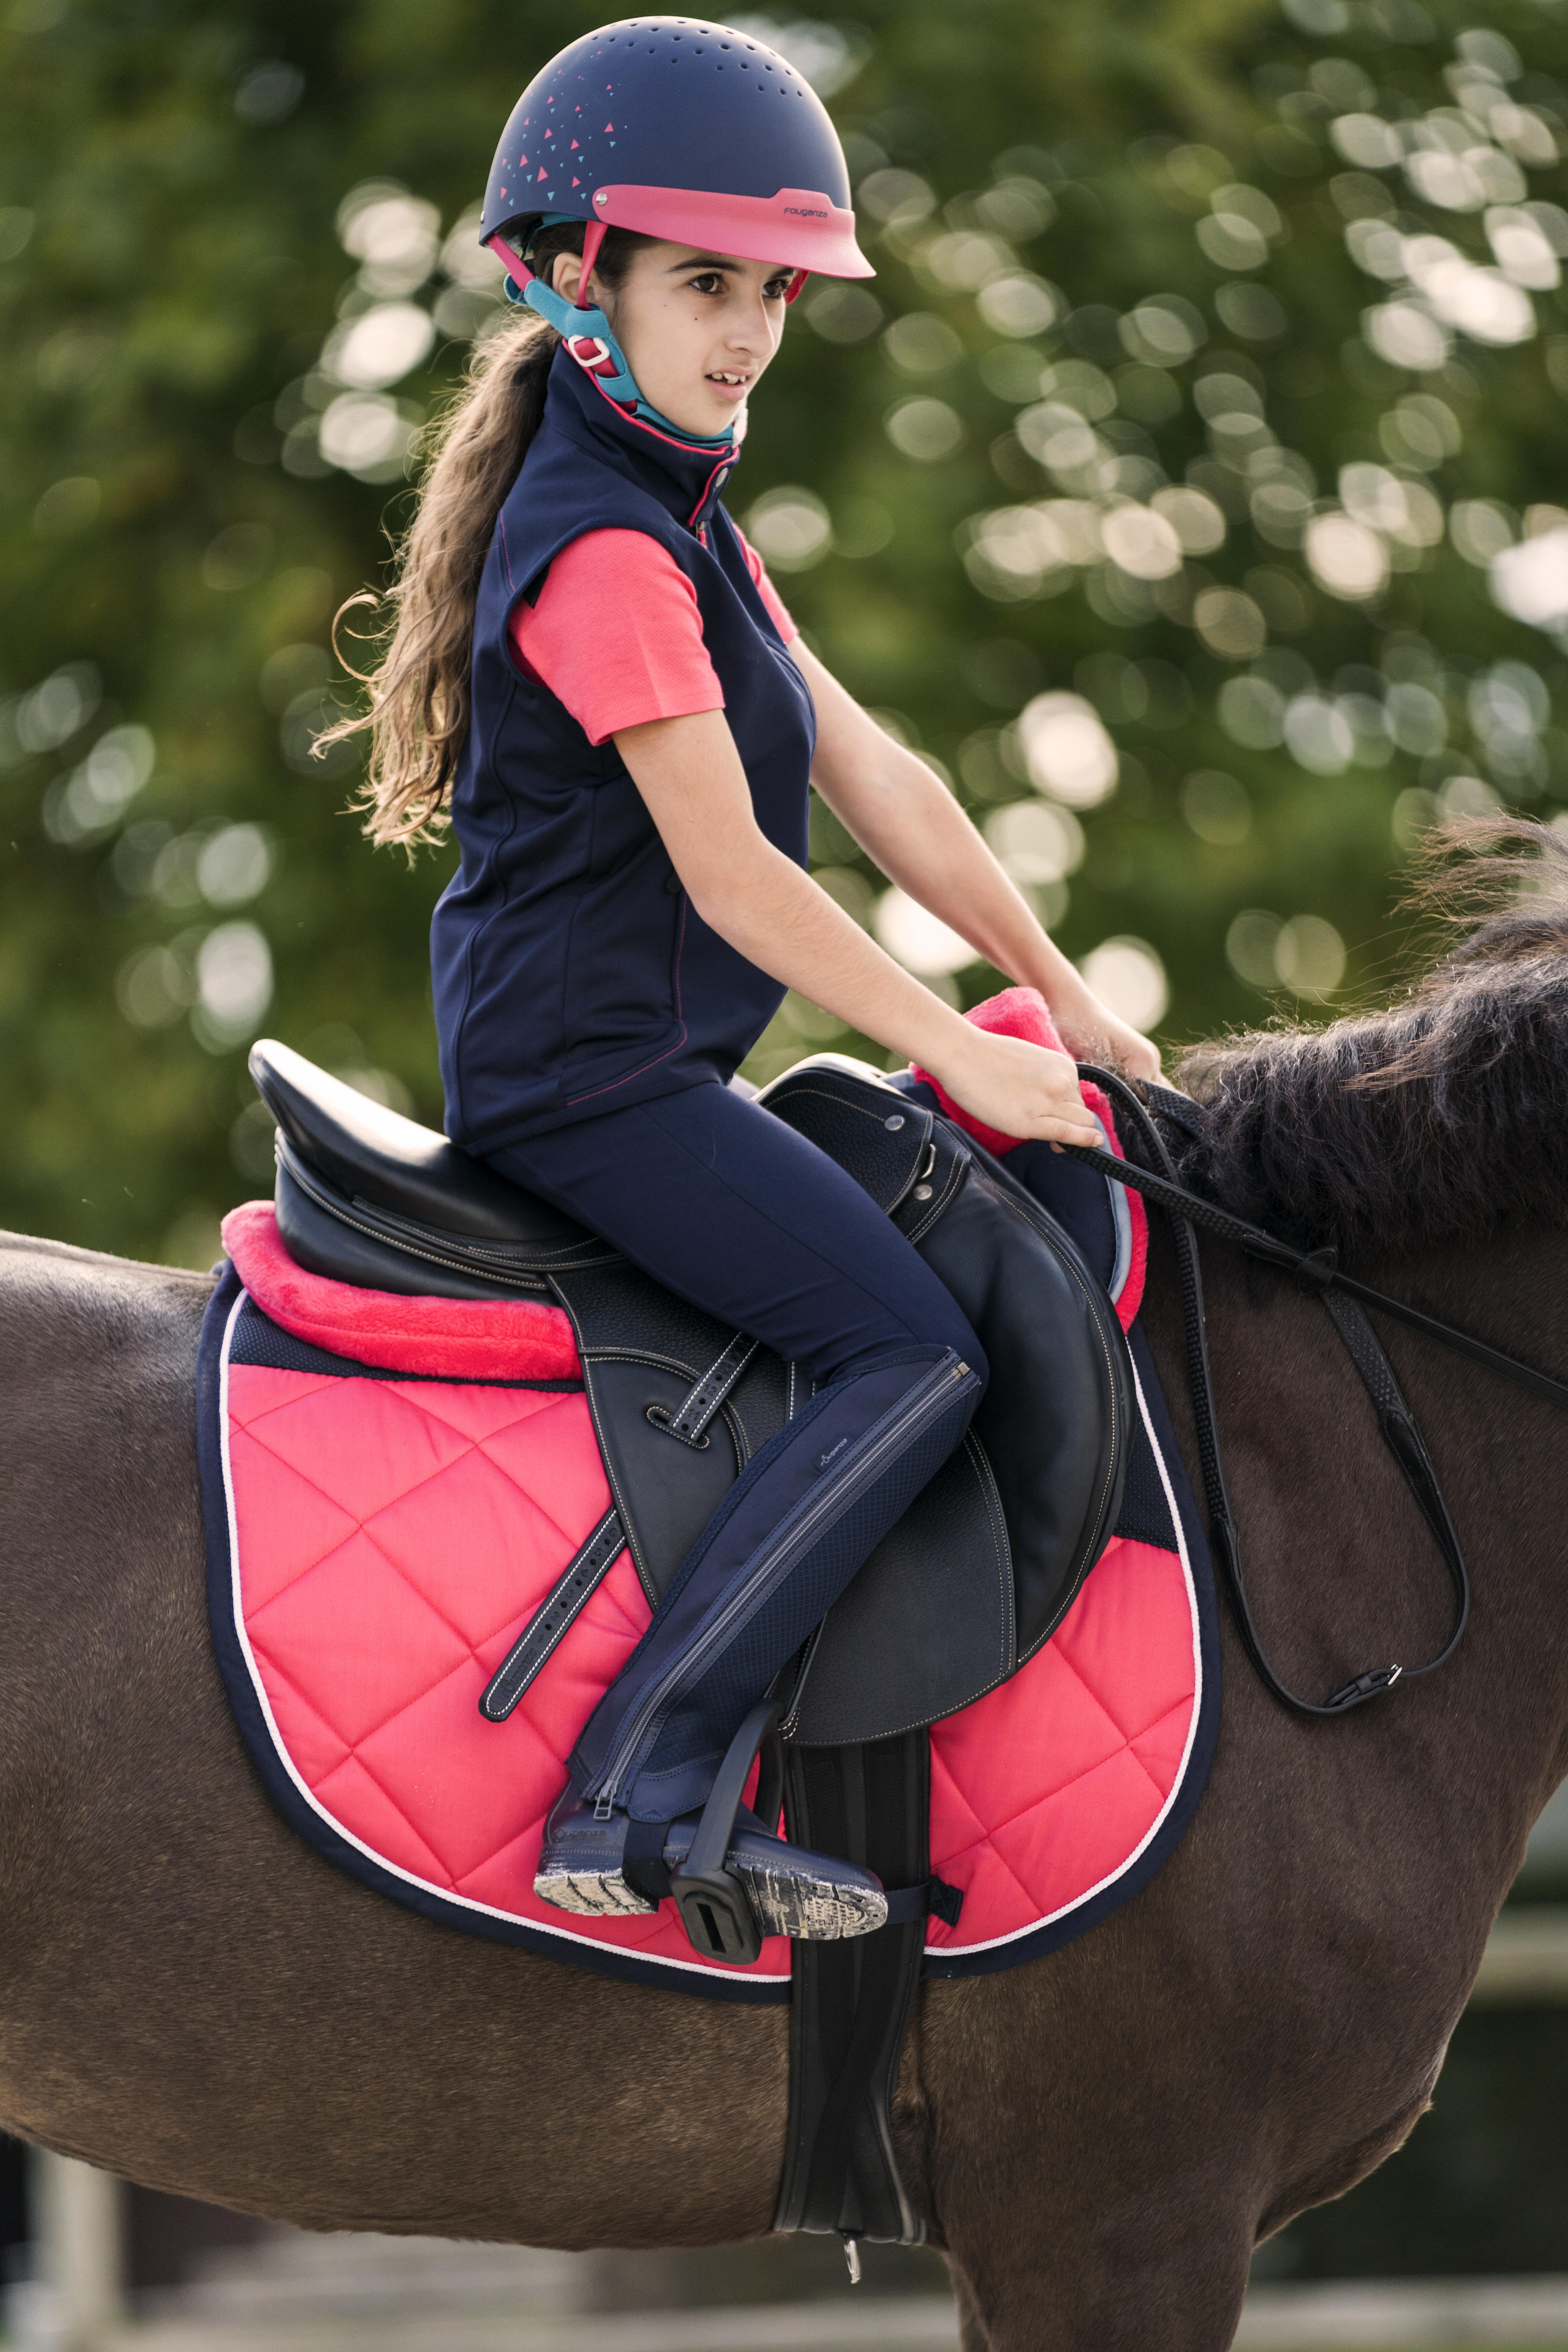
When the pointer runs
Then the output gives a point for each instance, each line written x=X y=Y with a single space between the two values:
x=1098 y=2139
x=1264 y=2023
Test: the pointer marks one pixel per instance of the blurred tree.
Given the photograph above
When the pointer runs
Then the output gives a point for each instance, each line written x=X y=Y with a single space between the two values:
x=1180 y=487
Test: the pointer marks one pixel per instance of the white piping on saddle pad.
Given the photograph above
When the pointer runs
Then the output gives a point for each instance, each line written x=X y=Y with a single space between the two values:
x=993 y=1943
x=392 y=1869
x=658 y=1959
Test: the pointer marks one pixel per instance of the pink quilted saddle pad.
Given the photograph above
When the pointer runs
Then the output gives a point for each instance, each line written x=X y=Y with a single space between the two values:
x=377 y=1543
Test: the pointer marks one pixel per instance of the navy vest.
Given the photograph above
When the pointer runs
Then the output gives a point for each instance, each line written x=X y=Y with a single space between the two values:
x=572 y=974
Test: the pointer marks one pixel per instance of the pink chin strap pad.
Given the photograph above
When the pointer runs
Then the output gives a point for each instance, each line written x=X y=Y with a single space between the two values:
x=593 y=238
x=517 y=269
x=593 y=235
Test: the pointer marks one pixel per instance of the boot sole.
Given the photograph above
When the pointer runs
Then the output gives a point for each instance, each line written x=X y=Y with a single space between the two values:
x=593 y=1894
x=811 y=1910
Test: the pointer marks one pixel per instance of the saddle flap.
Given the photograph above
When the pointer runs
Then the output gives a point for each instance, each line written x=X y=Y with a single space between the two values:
x=374 y=1154
x=849 y=1111
x=926 y=1625
x=1056 y=1418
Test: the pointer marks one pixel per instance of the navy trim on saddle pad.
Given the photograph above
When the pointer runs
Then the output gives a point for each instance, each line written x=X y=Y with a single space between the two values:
x=279 y=1784
x=1156 y=1483
x=1034 y=1943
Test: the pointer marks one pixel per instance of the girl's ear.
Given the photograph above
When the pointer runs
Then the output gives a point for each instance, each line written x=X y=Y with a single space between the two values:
x=566 y=275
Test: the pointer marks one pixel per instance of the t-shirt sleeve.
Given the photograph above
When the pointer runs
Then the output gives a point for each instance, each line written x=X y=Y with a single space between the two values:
x=616 y=636
x=778 y=611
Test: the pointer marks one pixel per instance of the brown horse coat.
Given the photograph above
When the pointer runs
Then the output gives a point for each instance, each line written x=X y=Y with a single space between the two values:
x=190 y=1997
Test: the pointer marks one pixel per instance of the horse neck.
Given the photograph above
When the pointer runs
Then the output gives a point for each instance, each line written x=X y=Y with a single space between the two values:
x=1340 y=1568
x=1498 y=1453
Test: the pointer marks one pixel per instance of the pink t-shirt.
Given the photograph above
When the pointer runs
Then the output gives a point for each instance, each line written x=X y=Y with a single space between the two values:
x=616 y=634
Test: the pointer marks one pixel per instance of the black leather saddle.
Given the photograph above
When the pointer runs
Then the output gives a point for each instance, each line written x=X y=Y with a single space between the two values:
x=977 y=1574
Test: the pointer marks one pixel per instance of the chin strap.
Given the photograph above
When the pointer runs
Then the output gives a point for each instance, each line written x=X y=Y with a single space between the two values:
x=589 y=339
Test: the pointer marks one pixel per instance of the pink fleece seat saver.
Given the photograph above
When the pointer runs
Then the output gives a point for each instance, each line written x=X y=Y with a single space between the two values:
x=385 y=1540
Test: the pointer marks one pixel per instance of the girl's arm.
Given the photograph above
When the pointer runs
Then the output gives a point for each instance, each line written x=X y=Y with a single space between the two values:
x=913 y=829
x=690 y=774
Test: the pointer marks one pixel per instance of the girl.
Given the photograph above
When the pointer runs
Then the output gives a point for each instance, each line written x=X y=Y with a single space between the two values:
x=592 y=671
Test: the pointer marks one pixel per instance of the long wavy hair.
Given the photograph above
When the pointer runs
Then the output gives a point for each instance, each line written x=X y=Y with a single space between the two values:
x=416 y=712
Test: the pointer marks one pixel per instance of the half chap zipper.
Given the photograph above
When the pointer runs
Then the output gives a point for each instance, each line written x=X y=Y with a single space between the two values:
x=811 y=1516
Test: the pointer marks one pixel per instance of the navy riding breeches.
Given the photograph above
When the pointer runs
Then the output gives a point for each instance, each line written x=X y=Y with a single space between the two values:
x=727 y=1206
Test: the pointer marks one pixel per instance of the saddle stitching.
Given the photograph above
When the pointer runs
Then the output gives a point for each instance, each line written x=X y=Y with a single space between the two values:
x=996 y=1520
x=398 y=1233
x=937 y=1207
x=844 y=1102
x=601 y=1438
x=738 y=1431
x=617 y=1353
x=707 y=1393
x=587 y=1571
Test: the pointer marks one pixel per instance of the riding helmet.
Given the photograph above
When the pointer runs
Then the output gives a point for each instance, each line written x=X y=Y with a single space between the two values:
x=685 y=130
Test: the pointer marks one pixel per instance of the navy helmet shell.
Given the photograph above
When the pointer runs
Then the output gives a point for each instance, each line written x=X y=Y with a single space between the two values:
x=683 y=129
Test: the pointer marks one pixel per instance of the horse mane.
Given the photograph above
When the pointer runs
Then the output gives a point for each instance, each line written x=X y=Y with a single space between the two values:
x=1434 y=1118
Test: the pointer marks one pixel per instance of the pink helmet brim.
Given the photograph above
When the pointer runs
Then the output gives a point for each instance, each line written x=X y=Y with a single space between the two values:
x=798 y=227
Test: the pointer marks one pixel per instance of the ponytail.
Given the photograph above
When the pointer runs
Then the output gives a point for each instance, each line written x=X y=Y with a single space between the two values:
x=418 y=692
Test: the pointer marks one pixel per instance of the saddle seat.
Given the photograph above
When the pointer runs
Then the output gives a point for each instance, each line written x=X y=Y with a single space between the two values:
x=979 y=1573
x=368 y=1197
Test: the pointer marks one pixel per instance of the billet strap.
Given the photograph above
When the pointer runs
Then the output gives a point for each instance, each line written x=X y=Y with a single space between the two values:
x=1315 y=1270
x=578 y=1582
x=692 y=1416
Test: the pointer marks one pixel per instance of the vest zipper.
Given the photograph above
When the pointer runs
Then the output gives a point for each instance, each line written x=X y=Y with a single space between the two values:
x=791 y=1541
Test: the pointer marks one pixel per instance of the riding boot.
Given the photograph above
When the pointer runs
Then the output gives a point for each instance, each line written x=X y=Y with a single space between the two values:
x=791 y=1891
x=776 y=1556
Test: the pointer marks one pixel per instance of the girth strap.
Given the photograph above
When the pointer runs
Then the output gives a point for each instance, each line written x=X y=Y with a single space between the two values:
x=1315 y=1270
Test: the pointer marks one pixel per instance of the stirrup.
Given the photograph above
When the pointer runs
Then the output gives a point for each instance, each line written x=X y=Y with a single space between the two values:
x=714 y=1912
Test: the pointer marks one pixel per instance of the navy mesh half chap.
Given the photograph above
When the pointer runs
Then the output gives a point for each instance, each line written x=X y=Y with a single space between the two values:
x=722 y=1203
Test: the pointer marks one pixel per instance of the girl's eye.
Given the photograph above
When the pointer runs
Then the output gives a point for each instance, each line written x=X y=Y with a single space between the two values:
x=776 y=288
x=706 y=281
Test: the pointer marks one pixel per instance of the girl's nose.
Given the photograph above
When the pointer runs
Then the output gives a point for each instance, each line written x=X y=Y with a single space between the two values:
x=751 y=331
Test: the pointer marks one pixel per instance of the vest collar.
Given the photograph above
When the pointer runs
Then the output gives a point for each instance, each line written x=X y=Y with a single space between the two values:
x=688 y=482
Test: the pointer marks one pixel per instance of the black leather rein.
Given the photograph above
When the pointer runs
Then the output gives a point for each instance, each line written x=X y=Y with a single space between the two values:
x=1316 y=1271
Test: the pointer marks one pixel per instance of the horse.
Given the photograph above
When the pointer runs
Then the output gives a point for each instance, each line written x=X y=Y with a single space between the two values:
x=1098 y=2139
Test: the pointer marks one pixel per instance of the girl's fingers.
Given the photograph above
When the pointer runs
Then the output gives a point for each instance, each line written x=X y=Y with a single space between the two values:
x=1061 y=1130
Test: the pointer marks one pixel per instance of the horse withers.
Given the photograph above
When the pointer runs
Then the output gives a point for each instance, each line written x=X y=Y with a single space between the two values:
x=1098 y=2139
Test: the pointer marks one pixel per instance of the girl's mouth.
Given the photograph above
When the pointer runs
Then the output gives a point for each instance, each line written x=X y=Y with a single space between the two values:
x=728 y=384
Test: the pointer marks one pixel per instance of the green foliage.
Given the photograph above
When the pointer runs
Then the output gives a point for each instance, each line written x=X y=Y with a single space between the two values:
x=1214 y=356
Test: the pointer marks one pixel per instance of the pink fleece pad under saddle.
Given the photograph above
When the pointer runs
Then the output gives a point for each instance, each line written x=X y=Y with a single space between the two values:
x=377 y=1544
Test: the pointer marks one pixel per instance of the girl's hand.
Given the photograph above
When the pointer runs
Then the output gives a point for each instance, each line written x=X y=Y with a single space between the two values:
x=1016 y=1088
x=1091 y=1034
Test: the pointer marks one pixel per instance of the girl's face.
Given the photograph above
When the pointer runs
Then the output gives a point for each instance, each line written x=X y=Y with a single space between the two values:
x=698 y=329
